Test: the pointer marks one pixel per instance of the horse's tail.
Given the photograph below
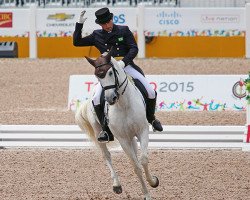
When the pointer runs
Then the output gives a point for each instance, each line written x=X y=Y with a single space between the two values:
x=81 y=119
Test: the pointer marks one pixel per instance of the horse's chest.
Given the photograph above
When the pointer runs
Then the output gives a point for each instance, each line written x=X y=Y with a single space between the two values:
x=128 y=122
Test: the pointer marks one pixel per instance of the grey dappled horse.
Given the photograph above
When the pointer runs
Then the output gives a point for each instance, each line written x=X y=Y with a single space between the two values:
x=126 y=116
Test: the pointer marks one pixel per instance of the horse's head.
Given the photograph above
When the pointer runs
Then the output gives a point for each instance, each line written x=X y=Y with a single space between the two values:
x=111 y=76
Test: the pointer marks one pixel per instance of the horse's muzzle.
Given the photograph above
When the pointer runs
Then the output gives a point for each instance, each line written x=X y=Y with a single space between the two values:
x=112 y=100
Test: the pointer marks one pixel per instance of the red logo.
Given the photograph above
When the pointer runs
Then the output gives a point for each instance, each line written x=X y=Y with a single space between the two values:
x=5 y=19
x=239 y=89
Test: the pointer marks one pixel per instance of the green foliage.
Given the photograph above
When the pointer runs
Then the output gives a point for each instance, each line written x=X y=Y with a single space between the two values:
x=247 y=82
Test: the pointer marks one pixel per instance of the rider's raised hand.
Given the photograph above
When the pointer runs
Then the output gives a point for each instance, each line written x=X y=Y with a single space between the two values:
x=82 y=19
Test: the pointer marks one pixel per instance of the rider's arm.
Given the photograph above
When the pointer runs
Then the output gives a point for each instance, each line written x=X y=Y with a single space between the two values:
x=78 y=40
x=131 y=46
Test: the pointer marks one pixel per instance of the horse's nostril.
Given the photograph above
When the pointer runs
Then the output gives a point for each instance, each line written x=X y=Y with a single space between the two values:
x=115 y=98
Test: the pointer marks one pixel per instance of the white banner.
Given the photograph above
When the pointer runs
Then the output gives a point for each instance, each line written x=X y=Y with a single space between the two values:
x=14 y=22
x=195 y=21
x=178 y=92
x=61 y=22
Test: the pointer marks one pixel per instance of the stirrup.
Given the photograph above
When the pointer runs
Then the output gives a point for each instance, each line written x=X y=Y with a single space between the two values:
x=156 y=125
x=103 y=137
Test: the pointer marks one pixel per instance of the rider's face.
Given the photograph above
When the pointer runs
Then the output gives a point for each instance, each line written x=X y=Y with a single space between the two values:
x=107 y=26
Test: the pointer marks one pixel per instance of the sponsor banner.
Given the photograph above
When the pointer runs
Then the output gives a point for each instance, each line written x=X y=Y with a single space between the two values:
x=177 y=92
x=61 y=22
x=58 y=22
x=14 y=22
x=195 y=21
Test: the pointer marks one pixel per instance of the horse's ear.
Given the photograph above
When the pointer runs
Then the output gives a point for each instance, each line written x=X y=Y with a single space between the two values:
x=92 y=62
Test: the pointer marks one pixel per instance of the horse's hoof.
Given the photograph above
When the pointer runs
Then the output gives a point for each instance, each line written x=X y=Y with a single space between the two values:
x=117 y=189
x=156 y=182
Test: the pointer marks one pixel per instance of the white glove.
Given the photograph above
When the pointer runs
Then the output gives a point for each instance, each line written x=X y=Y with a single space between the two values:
x=82 y=19
x=121 y=64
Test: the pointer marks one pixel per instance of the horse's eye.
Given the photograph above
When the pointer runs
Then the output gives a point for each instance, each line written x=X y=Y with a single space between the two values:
x=110 y=73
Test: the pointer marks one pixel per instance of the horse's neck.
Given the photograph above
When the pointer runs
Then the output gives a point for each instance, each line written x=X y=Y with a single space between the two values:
x=128 y=96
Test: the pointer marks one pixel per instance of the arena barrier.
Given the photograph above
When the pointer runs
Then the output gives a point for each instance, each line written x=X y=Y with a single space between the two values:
x=172 y=137
x=235 y=46
x=173 y=32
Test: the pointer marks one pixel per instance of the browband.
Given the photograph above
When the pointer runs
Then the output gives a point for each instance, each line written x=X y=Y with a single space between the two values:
x=104 y=64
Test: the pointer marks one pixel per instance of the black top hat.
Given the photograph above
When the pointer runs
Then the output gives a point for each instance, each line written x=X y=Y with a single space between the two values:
x=103 y=16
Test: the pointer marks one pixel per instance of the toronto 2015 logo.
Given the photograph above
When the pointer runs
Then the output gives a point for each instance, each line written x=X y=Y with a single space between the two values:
x=239 y=89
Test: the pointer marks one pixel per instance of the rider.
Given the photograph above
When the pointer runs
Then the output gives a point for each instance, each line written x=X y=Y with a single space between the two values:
x=124 y=45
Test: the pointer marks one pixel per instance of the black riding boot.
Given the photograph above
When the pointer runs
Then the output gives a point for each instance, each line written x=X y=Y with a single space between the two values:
x=151 y=114
x=105 y=135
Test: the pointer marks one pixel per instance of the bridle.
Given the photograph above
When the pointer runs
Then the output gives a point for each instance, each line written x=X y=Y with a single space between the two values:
x=117 y=84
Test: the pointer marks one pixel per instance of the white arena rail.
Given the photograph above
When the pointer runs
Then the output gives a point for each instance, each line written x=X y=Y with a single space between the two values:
x=70 y=136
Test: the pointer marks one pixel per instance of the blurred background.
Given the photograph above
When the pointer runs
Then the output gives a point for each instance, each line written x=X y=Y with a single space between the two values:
x=169 y=28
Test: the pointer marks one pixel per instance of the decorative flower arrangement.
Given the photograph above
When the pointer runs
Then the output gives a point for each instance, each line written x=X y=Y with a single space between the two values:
x=247 y=82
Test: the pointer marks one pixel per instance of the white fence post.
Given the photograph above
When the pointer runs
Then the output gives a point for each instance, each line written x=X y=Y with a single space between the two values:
x=32 y=34
x=140 y=31
x=247 y=30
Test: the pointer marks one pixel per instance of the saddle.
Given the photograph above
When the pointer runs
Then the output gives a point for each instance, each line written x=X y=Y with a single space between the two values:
x=142 y=89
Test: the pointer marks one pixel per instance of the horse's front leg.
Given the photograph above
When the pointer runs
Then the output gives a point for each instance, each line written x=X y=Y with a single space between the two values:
x=117 y=188
x=143 y=139
x=129 y=149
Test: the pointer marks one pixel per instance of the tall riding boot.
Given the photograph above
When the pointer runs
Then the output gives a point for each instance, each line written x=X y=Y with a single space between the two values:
x=156 y=124
x=105 y=135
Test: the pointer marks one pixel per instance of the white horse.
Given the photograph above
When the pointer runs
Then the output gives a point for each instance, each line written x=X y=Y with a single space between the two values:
x=127 y=120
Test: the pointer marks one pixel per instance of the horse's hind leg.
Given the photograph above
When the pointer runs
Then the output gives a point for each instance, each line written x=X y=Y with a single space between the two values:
x=117 y=188
x=135 y=145
x=129 y=150
x=152 y=180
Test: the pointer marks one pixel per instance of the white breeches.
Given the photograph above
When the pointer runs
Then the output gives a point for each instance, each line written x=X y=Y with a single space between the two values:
x=136 y=75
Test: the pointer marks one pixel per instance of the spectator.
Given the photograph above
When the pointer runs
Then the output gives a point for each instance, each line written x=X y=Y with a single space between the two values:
x=67 y=1
x=17 y=3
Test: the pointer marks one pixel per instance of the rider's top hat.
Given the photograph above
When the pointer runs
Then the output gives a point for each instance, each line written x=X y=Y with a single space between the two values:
x=103 y=16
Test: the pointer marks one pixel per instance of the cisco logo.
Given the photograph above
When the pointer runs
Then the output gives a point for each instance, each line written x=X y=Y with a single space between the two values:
x=169 y=18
